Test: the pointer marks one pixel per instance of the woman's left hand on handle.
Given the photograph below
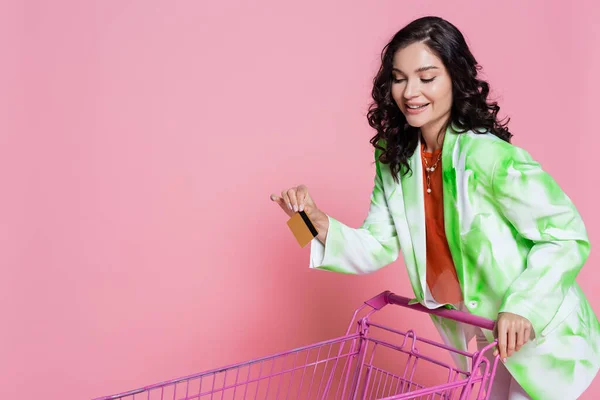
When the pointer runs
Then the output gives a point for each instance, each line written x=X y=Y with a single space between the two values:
x=512 y=332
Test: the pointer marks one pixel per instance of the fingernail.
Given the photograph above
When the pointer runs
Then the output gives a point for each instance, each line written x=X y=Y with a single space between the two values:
x=290 y=206
x=301 y=207
x=504 y=360
x=295 y=208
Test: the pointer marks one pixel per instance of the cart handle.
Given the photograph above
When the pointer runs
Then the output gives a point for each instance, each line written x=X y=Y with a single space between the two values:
x=388 y=297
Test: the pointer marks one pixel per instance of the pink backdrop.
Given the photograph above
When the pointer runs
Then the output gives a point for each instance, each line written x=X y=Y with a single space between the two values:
x=141 y=140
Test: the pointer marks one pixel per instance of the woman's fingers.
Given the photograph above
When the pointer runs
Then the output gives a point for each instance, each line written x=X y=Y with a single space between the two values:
x=291 y=193
x=301 y=195
x=528 y=334
x=286 y=199
x=502 y=338
x=521 y=338
x=278 y=200
x=281 y=202
x=513 y=332
x=511 y=339
x=295 y=199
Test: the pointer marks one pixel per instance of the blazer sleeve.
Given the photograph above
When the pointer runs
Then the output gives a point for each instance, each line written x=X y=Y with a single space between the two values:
x=542 y=213
x=359 y=250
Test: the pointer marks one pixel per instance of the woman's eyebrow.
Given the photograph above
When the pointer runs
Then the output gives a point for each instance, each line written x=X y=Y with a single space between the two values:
x=421 y=69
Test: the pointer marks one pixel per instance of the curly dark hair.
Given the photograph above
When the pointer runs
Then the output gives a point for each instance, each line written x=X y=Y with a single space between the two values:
x=470 y=107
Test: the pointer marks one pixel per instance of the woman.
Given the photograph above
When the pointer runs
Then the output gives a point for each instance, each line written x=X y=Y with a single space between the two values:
x=481 y=226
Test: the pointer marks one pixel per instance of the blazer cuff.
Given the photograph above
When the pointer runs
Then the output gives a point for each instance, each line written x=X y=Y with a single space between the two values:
x=324 y=256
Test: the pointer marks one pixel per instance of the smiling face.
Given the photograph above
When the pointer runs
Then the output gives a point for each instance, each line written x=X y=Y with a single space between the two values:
x=421 y=87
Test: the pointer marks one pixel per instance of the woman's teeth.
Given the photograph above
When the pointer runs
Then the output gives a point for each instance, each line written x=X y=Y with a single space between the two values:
x=417 y=107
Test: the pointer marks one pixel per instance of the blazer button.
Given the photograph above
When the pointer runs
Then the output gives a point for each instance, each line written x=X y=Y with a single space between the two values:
x=473 y=304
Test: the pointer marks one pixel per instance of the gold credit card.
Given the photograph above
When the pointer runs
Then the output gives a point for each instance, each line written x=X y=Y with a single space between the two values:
x=302 y=228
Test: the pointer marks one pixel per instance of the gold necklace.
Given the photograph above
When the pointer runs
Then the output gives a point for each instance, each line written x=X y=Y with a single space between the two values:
x=429 y=170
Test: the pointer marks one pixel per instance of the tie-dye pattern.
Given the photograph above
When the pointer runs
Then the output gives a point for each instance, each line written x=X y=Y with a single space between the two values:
x=517 y=242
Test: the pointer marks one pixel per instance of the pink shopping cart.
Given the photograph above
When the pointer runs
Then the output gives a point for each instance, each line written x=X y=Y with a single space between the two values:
x=371 y=361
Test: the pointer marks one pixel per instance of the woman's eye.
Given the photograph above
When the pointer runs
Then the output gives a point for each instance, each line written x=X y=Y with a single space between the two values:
x=400 y=80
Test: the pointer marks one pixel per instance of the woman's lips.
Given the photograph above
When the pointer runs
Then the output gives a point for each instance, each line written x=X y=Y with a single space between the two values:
x=419 y=110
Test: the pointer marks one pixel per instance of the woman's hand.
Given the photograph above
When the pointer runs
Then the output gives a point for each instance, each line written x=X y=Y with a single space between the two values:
x=512 y=332
x=297 y=199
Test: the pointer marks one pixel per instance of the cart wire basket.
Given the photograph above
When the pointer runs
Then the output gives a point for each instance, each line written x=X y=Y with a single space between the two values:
x=371 y=361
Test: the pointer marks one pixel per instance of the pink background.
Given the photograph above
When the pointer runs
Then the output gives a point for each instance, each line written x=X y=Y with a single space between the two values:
x=140 y=142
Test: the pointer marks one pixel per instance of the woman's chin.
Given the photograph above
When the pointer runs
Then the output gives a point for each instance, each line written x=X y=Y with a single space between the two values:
x=415 y=122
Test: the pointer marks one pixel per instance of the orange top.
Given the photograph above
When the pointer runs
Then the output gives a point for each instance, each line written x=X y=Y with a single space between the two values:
x=441 y=273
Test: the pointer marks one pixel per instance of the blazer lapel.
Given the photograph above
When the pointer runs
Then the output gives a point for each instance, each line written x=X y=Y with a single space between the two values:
x=414 y=208
x=450 y=160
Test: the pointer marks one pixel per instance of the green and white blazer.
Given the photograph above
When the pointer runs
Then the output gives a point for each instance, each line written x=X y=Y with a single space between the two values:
x=517 y=242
